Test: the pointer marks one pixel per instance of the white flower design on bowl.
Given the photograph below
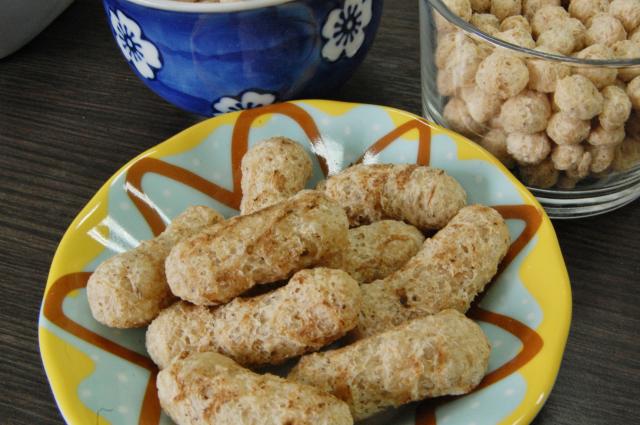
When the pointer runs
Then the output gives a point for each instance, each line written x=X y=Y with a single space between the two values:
x=344 y=29
x=246 y=100
x=140 y=52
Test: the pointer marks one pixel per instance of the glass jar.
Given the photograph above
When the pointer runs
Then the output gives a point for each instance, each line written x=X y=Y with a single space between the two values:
x=560 y=122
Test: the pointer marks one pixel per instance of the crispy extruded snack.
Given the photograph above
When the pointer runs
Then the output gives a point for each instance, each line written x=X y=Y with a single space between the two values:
x=377 y=250
x=209 y=388
x=272 y=171
x=422 y=196
x=129 y=289
x=444 y=354
x=225 y=260
x=315 y=308
x=448 y=272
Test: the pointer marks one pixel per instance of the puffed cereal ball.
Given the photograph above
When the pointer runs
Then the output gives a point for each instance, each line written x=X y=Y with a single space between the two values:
x=599 y=76
x=481 y=6
x=578 y=30
x=544 y=74
x=601 y=157
x=505 y=8
x=517 y=21
x=444 y=83
x=627 y=49
x=528 y=149
x=486 y=22
x=605 y=29
x=482 y=106
x=566 y=156
x=517 y=36
x=584 y=10
x=463 y=64
x=627 y=12
x=543 y=175
x=528 y=113
x=581 y=170
x=559 y=39
x=447 y=43
x=495 y=141
x=502 y=74
x=461 y=8
x=627 y=155
x=601 y=137
x=458 y=118
x=567 y=130
x=635 y=35
x=633 y=91
x=577 y=96
x=616 y=109
x=530 y=7
x=548 y=17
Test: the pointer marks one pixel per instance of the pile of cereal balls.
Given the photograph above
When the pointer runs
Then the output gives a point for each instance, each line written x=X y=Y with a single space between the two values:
x=558 y=124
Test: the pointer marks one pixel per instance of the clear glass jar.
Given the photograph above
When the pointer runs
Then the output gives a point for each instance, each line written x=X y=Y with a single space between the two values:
x=570 y=142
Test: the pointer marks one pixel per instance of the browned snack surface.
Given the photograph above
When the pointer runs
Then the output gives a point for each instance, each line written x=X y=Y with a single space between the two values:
x=443 y=354
x=315 y=308
x=209 y=388
x=129 y=289
x=227 y=259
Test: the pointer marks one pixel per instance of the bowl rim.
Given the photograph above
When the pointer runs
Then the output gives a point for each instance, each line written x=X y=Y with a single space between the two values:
x=454 y=19
x=189 y=7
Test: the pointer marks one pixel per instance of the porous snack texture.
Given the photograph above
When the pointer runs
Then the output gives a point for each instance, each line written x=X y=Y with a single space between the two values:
x=443 y=354
x=525 y=109
x=422 y=196
x=129 y=289
x=209 y=388
x=315 y=308
x=447 y=273
x=272 y=171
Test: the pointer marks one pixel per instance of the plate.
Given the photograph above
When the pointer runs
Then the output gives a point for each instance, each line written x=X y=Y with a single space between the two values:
x=103 y=376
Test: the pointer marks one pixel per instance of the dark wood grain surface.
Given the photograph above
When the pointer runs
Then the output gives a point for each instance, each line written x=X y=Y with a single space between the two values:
x=71 y=113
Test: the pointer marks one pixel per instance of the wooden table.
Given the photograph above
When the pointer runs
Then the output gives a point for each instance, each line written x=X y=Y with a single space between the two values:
x=71 y=113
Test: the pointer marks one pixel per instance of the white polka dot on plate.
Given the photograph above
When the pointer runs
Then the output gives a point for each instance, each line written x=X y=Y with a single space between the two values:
x=196 y=162
x=450 y=156
x=124 y=206
x=347 y=130
x=509 y=392
x=166 y=193
x=123 y=409
x=531 y=316
x=478 y=179
x=85 y=393
x=122 y=377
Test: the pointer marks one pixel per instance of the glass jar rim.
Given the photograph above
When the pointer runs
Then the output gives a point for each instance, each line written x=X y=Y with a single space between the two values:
x=454 y=19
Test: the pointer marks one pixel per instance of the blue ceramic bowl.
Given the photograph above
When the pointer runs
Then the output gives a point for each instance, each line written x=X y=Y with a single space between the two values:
x=212 y=58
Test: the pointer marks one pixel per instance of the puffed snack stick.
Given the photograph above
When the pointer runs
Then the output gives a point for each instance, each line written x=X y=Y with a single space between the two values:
x=129 y=289
x=443 y=354
x=229 y=258
x=272 y=171
x=209 y=388
x=422 y=196
x=377 y=250
x=447 y=273
x=316 y=307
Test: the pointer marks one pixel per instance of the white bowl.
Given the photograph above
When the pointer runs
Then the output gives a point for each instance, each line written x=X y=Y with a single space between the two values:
x=22 y=20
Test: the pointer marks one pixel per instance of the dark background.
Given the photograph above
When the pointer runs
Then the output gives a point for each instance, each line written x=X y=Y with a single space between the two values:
x=72 y=113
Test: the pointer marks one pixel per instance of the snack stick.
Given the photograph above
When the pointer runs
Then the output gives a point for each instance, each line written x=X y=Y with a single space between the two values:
x=272 y=171
x=209 y=388
x=443 y=354
x=422 y=196
x=129 y=289
x=227 y=259
x=315 y=308
x=448 y=272
x=377 y=250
